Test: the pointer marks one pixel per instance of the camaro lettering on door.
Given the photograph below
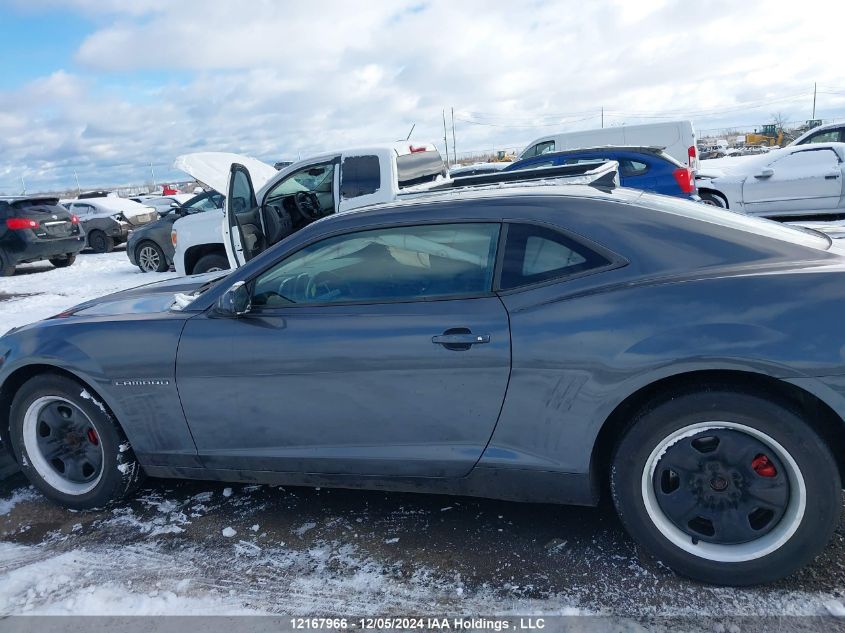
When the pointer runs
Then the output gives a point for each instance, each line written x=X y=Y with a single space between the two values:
x=153 y=382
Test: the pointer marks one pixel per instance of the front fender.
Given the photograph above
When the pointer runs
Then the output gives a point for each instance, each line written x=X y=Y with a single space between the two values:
x=129 y=363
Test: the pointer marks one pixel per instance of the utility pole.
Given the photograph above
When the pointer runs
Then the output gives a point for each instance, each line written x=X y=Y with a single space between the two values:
x=153 y=174
x=814 y=101
x=23 y=186
x=445 y=138
x=78 y=189
x=602 y=117
x=454 y=145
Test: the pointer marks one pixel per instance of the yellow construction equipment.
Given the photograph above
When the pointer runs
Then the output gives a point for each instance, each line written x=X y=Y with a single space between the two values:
x=769 y=135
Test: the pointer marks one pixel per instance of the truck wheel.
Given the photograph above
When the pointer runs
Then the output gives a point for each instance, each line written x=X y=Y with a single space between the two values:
x=100 y=242
x=63 y=262
x=210 y=263
x=7 y=268
x=713 y=199
x=150 y=258
x=726 y=487
x=69 y=446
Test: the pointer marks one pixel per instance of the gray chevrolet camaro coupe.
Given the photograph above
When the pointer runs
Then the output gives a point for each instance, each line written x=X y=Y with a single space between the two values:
x=534 y=344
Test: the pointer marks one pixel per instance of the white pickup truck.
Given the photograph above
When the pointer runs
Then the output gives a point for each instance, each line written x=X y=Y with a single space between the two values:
x=291 y=198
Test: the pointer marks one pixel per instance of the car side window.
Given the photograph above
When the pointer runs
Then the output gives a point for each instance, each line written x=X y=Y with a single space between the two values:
x=410 y=263
x=810 y=159
x=830 y=136
x=536 y=253
x=542 y=148
x=360 y=176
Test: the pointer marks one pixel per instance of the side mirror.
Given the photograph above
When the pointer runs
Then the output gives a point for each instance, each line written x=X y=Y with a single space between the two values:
x=174 y=205
x=236 y=301
x=766 y=172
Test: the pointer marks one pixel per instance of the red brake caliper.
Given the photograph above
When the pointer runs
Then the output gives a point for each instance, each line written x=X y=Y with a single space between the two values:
x=763 y=467
x=92 y=437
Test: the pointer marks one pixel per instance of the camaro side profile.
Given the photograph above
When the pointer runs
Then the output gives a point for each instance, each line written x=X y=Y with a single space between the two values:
x=539 y=344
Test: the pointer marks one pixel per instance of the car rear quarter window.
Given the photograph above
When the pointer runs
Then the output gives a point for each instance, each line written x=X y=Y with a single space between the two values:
x=535 y=253
x=629 y=167
x=360 y=176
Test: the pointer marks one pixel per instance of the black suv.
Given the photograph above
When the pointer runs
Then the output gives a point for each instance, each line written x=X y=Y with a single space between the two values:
x=32 y=229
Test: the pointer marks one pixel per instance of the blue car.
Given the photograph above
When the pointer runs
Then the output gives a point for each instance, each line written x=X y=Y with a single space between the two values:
x=646 y=168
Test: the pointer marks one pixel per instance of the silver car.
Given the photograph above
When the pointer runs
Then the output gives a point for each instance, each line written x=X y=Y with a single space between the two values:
x=799 y=180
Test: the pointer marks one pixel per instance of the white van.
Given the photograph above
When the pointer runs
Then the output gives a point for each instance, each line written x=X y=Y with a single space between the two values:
x=677 y=137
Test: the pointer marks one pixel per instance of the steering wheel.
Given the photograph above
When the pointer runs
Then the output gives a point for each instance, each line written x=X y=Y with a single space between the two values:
x=328 y=286
x=308 y=204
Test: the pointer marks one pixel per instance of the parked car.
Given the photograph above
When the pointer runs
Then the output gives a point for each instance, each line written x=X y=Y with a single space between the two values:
x=108 y=221
x=150 y=248
x=163 y=204
x=677 y=138
x=34 y=229
x=830 y=133
x=522 y=343
x=798 y=180
x=646 y=168
x=300 y=193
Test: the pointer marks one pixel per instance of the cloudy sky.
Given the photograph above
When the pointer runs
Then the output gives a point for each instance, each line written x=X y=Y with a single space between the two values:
x=103 y=88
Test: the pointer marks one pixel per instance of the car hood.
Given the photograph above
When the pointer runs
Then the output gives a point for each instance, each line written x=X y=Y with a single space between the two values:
x=151 y=298
x=212 y=168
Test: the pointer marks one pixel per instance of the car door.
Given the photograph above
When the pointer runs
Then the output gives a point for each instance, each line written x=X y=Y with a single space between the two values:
x=804 y=180
x=381 y=352
x=300 y=197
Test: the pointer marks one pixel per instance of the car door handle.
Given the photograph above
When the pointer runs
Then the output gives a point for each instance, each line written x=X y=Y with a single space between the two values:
x=458 y=339
x=832 y=176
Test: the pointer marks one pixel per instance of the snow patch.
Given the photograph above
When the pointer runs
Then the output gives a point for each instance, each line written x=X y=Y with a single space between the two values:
x=229 y=532
x=18 y=496
x=84 y=394
x=301 y=530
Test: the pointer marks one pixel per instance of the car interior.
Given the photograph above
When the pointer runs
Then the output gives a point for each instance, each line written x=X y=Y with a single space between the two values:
x=297 y=200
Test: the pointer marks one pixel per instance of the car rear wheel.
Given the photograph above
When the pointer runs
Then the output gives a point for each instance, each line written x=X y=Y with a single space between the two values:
x=151 y=258
x=7 y=268
x=713 y=199
x=211 y=263
x=100 y=242
x=63 y=262
x=726 y=487
x=69 y=446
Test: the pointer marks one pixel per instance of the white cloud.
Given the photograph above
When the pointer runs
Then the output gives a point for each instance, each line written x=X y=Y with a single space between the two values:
x=279 y=79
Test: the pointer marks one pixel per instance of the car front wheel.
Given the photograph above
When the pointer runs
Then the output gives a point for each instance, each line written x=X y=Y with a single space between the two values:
x=151 y=258
x=212 y=262
x=726 y=487
x=69 y=446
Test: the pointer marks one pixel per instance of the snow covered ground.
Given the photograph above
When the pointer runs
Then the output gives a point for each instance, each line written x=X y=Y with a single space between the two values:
x=205 y=548
x=38 y=290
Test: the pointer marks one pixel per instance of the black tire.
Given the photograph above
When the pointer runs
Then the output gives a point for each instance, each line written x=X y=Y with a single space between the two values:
x=7 y=268
x=713 y=199
x=794 y=538
x=99 y=242
x=63 y=262
x=119 y=473
x=210 y=262
x=150 y=257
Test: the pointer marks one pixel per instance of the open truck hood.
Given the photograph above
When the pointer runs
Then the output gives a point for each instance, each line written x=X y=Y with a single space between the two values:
x=212 y=168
